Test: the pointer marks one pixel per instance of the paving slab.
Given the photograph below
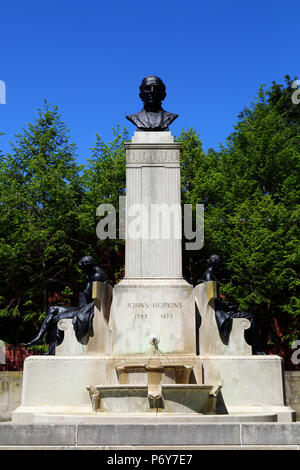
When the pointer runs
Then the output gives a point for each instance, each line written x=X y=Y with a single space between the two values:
x=37 y=434
x=271 y=434
x=159 y=434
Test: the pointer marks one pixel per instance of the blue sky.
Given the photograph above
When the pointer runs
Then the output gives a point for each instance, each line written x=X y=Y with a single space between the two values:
x=89 y=58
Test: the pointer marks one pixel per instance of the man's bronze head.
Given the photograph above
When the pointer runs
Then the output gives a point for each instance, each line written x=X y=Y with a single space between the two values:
x=214 y=260
x=152 y=117
x=87 y=264
x=152 y=90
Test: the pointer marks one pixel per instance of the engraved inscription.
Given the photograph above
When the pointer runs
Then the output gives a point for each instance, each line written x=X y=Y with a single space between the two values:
x=165 y=310
x=152 y=156
x=166 y=316
x=145 y=305
x=137 y=305
x=141 y=316
x=167 y=305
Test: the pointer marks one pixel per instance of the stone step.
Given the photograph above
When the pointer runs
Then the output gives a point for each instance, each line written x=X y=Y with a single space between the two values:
x=150 y=436
x=154 y=449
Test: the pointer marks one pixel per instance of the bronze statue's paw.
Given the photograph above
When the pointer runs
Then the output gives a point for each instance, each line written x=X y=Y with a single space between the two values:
x=51 y=350
x=34 y=342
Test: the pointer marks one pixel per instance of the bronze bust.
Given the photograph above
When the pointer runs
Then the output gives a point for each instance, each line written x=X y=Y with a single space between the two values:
x=152 y=117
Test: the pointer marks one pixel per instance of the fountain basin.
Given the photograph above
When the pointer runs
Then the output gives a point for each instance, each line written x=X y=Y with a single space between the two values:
x=165 y=398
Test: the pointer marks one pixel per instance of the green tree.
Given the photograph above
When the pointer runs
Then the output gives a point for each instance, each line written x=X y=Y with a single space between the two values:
x=40 y=194
x=250 y=189
x=104 y=181
x=199 y=185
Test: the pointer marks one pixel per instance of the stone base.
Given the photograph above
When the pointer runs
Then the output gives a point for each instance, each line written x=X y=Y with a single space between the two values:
x=134 y=436
x=246 y=380
x=10 y=393
x=153 y=308
x=76 y=415
x=56 y=385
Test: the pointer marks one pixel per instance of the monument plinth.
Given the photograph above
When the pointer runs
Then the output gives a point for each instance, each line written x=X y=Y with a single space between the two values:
x=153 y=300
x=153 y=207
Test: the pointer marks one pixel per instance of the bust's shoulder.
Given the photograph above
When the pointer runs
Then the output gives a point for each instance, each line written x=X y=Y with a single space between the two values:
x=136 y=118
x=171 y=115
x=99 y=275
x=160 y=120
x=168 y=117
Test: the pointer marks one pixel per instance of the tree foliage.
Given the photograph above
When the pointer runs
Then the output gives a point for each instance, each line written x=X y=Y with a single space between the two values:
x=40 y=194
x=250 y=190
x=103 y=180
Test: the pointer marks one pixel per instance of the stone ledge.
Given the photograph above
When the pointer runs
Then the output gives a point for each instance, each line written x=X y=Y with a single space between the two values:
x=211 y=357
x=138 y=436
x=37 y=434
x=271 y=433
x=152 y=448
x=159 y=435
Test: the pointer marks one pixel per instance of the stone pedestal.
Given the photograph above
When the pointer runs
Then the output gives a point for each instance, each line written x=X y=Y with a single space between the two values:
x=153 y=300
x=96 y=341
x=99 y=340
x=144 y=310
x=153 y=207
x=210 y=341
x=55 y=388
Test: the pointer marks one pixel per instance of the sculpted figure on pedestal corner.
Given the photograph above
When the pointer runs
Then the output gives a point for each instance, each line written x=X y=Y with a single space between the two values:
x=152 y=117
x=82 y=316
x=225 y=311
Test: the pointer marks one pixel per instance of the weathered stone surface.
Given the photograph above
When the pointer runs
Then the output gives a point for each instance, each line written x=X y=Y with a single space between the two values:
x=153 y=207
x=10 y=393
x=139 y=434
x=99 y=341
x=292 y=390
x=141 y=313
x=152 y=137
x=246 y=380
x=61 y=381
x=210 y=342
x=271 y=434
x=70 y=345
x=154 y=436
x=37 y=434
x=183 y=399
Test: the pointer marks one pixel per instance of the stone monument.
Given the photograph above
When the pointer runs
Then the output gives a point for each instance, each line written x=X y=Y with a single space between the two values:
x=155 y=352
